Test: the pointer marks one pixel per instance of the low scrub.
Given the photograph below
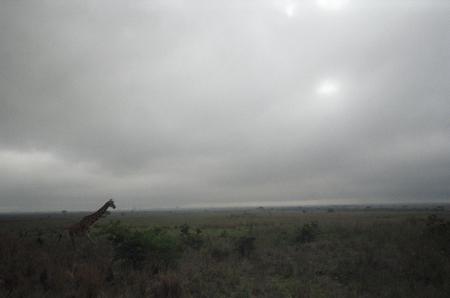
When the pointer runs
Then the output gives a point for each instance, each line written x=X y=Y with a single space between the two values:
x=153 y=247
x=190 y=238
x=307 y=233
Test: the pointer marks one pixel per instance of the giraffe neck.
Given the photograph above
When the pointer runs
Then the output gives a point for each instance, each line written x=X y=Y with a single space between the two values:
x=102 y=210
x=92 y=218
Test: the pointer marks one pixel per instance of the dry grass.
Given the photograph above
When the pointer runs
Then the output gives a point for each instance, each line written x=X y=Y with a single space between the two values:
x=236 y=254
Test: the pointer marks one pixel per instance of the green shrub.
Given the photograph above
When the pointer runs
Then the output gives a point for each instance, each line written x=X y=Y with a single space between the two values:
x=307 y=233
x=153 y=247
x=190 y=239
x=220 y=249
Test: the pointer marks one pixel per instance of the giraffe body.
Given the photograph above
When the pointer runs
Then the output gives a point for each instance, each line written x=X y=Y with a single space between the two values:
x=81 y=228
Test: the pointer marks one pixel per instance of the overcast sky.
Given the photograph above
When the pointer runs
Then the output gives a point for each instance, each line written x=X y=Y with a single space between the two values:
x=211 y=103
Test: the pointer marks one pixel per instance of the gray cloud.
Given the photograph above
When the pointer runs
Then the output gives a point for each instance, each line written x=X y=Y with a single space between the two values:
x=177 y=103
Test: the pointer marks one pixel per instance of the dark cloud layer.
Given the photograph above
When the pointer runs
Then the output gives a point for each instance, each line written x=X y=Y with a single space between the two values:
x=189 y=103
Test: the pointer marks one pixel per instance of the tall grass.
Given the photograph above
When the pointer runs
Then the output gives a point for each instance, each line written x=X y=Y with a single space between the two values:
x=276 y=254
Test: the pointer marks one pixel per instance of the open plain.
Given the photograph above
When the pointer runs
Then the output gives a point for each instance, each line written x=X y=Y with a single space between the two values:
x=257 y=252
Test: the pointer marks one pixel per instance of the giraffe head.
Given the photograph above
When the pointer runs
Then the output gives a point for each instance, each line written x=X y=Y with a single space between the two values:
x=110 y=203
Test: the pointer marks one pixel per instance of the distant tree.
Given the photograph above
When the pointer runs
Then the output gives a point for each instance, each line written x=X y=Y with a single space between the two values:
x=307 y=233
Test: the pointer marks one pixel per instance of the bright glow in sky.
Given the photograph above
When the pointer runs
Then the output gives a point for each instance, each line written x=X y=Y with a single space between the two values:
x=332 y=4
x=290 y=9
x=327 y=87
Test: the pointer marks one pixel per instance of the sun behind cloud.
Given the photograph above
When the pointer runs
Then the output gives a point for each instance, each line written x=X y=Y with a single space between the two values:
x=332 y=4
x=327 y=87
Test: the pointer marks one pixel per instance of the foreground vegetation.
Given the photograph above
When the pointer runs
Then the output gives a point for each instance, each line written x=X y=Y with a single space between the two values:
x=241 y=253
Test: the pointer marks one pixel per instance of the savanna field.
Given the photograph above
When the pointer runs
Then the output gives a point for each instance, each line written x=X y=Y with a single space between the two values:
x=294 y=252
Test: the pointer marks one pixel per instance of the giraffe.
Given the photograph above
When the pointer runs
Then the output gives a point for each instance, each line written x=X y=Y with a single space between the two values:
x=81 y=228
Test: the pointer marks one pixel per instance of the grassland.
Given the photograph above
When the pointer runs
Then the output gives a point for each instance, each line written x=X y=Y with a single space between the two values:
x=231 y=253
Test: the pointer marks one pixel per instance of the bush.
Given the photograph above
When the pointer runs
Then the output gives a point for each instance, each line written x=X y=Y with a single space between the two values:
x=307 y=233
x=220 y=249
x=245 y=245
x=193 y=240
x=153 y=247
